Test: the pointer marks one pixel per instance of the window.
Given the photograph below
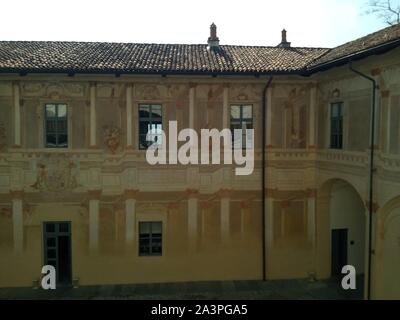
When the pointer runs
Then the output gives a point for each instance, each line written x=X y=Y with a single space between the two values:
x=337 y=125
x=56 y=126
x=242 y=118
x=150 y=238
x=150 y=118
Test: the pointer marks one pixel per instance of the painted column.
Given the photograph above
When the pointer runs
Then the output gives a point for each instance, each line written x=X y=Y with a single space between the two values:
x=367 y=248
x=129 y=105
x=192 y=92
x=284 y=206
x=386 y=126
x=94 y=205
x=224 y=195
x=225 y=108
x=93 y=115
x=192 y=218
x=205 y=206
x=311 y=218
x=313 y=101
x=269 y=118
x=18 y=222
x=366 y=253
x=244 y=207
x=269 y=219
x=17 y=116
x=130 y=216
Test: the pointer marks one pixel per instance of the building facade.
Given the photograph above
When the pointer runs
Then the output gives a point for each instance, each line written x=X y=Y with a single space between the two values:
x=77 y=192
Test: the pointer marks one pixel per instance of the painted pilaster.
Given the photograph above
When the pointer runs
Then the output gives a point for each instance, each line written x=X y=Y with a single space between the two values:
x=224 y=195
x=284 y=206
x=367 y=248
x=17 y=115
x=269 y=219
x=311 y=218
x=269 y=118
x=129 y=106
x=94 y=206
x=244 y=207
x=313 y=101
x=93 y=115
x=18 y=222
x=130 y=216
x=192 y=218
x=192 y=93
x=205 y=207
x=225 y=108
x=386 y=123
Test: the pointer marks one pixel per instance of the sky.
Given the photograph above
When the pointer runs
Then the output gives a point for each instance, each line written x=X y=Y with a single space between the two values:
x=309 y=23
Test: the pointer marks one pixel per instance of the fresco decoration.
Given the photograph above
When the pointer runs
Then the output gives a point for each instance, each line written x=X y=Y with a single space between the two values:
x=3 y=136
x=56 y=173
x=296 y=118
x=112 y=138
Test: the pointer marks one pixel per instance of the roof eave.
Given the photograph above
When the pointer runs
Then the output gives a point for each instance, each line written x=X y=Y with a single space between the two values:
x=381 y=49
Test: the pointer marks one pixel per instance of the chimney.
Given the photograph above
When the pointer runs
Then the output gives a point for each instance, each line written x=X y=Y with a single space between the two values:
x=284 y=43
x=213 y=41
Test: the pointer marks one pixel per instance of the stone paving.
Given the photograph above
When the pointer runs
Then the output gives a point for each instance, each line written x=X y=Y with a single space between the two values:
x=226 y=290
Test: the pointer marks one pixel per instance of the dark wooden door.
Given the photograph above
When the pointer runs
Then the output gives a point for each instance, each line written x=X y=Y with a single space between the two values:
x=339 y=250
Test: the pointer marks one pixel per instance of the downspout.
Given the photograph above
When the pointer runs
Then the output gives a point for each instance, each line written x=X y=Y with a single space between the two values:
x=263 y=170
x=371 y=171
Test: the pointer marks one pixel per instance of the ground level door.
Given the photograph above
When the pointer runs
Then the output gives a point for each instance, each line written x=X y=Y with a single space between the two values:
x=339 y=250
x=57 y=249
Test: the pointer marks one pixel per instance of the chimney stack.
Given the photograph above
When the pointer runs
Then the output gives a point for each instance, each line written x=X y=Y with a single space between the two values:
x=284 y=43
x=213 y=41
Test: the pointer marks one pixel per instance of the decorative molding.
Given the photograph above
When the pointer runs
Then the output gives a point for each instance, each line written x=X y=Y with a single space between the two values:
x=192 y=193
x=205 y=205
x=131 y=193
x=244 y=92
x=224 y=193
x=17 y=194
x=245 y=204
x=173 y=206
x=94 y=194
x=290 y=194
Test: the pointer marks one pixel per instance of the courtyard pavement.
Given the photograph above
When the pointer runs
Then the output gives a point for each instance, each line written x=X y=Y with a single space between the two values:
x=225 y=290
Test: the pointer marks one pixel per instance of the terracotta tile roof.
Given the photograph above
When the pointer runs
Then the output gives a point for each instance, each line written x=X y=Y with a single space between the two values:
x=31 y=56
x=363 y=44
x=96 y=57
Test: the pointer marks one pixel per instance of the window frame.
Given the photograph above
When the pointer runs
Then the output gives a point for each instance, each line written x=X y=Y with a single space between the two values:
x=240 y=121
x=334 y=131
x=148 y=119
x=56 y=120
x=150 y=237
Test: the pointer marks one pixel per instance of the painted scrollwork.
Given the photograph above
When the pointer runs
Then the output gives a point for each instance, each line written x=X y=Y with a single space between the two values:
x=112 y=138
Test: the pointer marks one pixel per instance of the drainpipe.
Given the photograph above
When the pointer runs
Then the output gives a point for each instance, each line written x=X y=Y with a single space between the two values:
x=371 y=171
x=263 y=170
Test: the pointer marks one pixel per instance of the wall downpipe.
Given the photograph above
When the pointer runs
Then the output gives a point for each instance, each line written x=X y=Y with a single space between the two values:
x=371 y=172
x=263 y=172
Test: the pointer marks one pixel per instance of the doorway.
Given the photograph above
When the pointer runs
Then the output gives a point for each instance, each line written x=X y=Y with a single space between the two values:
x=339 y=250
x=57 y=250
